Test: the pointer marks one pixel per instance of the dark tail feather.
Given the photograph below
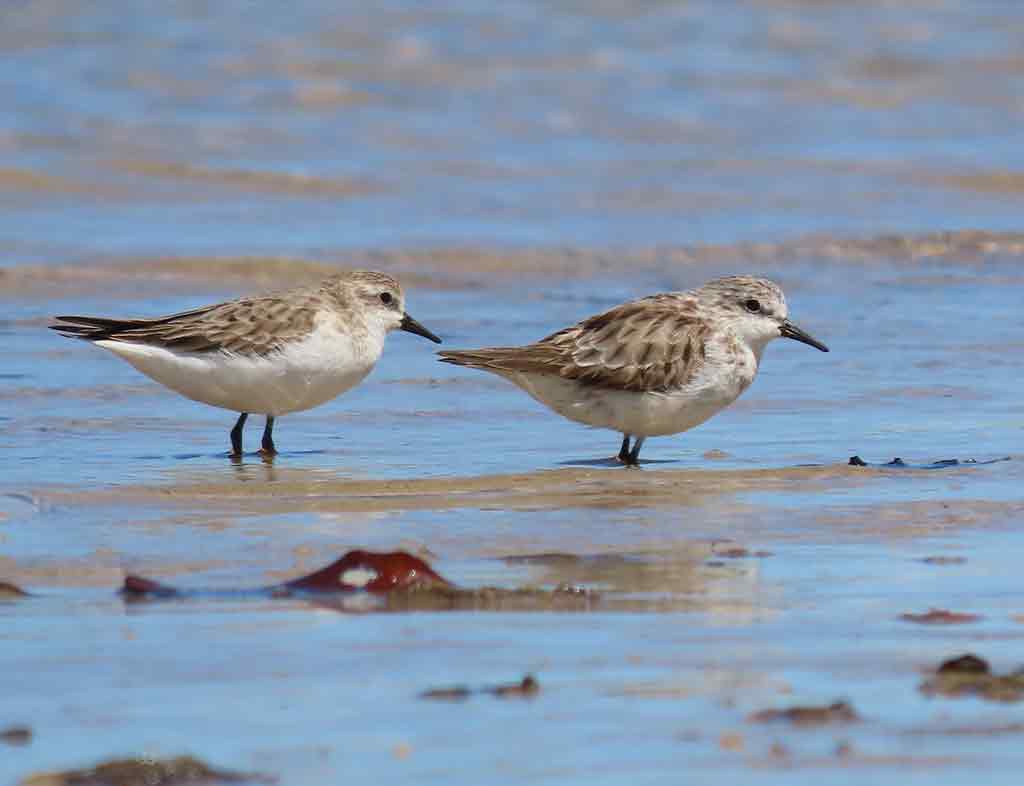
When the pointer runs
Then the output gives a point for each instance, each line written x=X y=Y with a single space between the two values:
x=448 y=356
x=95 y=328
x=469 y=358
x=100 y=322
x=100 y=328
x=82 y=327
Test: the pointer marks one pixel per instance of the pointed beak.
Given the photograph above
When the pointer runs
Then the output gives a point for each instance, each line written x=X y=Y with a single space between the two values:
x=789 y=330
x=410 y=325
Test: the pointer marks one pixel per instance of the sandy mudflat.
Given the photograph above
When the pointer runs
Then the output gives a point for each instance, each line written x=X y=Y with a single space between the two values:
x=461 y=268
x=745 y=569
x=279 y=489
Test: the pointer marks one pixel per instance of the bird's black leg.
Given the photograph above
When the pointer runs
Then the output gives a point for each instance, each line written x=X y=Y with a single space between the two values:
x=236 y=435
x=268 y=437
x=633 y=459
x=624 y=450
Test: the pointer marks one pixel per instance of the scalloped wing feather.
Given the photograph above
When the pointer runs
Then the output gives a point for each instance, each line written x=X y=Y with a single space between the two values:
x=656 y=343
x=250 y=326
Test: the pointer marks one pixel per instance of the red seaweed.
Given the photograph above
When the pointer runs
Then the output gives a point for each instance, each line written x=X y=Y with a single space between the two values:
x=370 y=571
x=356 y=571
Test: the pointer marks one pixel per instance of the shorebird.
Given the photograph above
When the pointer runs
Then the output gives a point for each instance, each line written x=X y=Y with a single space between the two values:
x=268 y=355
x=650 y=367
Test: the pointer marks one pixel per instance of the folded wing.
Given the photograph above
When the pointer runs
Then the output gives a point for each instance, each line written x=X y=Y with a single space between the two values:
x=656 y=343
x=253 y=326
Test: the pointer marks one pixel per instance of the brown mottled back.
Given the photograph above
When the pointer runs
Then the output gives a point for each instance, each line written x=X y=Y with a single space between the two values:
x=247 y=326
x=655 y=343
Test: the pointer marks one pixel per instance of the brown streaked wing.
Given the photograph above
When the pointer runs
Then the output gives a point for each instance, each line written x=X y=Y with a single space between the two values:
x=250 y=326
x=652 y=344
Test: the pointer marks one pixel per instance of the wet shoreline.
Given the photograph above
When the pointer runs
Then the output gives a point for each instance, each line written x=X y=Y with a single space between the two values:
x=468 y=268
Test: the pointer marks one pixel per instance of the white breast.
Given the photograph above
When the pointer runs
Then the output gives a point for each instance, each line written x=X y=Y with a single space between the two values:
x=719 y=383
x=301 y=376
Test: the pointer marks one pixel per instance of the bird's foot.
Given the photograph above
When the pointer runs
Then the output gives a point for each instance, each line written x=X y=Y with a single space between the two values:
x=267 y=447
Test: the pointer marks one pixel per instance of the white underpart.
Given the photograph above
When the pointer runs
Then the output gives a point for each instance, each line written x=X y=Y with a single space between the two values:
x=722 y=379
x=301 y=376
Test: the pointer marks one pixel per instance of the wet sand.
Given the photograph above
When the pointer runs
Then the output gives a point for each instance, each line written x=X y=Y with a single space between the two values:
x=745 y=569
x=461 y=268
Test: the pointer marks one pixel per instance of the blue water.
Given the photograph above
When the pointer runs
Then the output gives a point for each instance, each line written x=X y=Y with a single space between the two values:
x=526 y=124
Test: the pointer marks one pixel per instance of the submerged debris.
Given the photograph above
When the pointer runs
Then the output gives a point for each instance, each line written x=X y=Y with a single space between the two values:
x=837 y=712
x=980 y=730
x=965 y=664
x=526 y=688
x=969 y=675
x=136 y=587
x=16 y=735
x=561 y=598
x=10 y=591
x=179 y=771
x=941 y=617
x=396 y=581
x=943 y=560
x=857 y=461
x=729 y=550
x=355 y=571
x=452 y=693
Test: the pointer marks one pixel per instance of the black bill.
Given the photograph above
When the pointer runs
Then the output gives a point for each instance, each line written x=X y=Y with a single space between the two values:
x=410 y=325
x=789 y=330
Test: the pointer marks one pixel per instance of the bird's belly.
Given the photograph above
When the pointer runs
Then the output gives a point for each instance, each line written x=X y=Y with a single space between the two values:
x=640 y=414
x=273 y=385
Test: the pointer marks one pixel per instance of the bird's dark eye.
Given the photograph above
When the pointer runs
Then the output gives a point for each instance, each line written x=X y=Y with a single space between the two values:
x=752 y=306
x=385 y=298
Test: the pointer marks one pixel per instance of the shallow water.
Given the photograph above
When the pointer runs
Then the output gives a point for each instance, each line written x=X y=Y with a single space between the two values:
x=518 y=169
x=239 y=127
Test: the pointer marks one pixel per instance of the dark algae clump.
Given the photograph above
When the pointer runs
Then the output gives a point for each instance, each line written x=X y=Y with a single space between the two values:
x=857 y=461
x=179 y=771
x=16 y=735
x=969 y=675
x=526 y=688
x=941 y=617
x=836 y=712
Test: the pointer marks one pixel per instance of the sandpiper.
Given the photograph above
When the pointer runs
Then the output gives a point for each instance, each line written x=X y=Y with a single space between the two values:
x=654 y=366
x=268 y=355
